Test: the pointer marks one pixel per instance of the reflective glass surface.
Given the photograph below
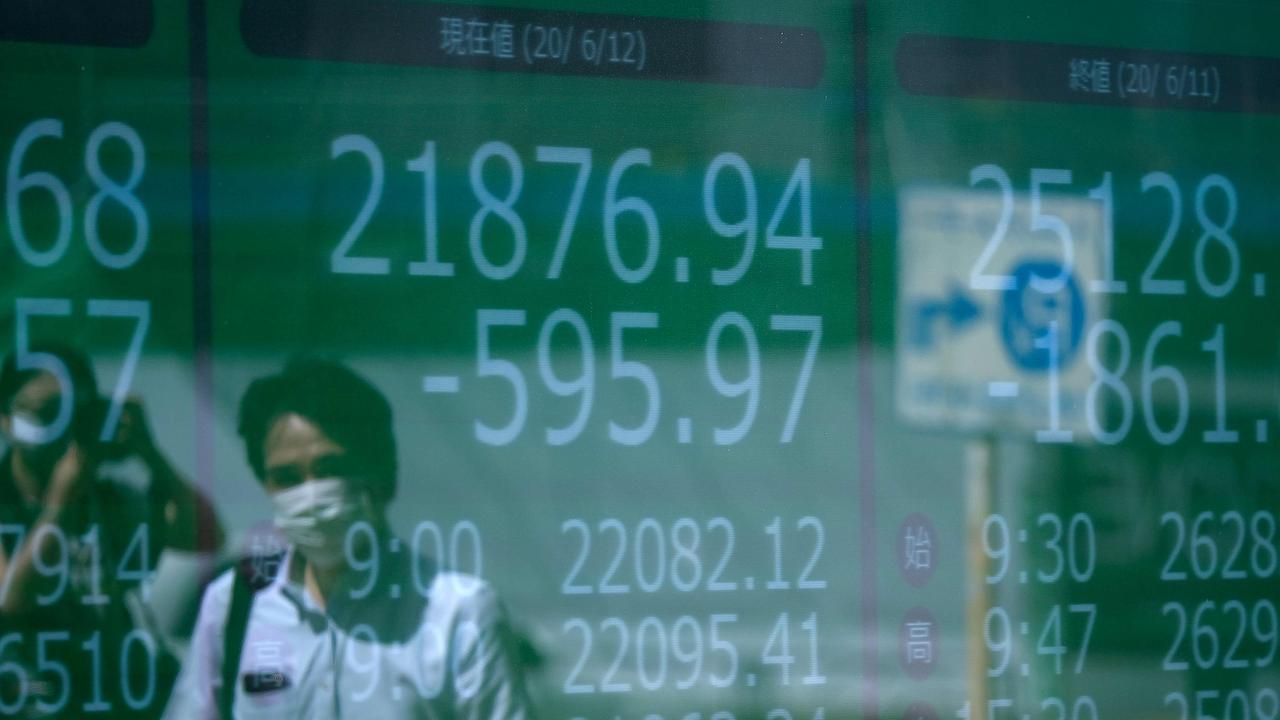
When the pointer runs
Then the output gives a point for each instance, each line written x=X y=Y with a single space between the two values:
x=639 y=360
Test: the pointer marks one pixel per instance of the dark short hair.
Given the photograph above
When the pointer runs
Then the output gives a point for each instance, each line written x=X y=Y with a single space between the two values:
x=84 y=382
x=344 y=405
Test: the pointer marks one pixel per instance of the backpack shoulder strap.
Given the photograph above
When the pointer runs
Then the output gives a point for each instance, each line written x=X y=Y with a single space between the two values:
x=247 y=579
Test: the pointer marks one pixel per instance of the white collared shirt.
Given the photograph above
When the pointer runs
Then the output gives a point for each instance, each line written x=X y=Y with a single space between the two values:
x=402 y=644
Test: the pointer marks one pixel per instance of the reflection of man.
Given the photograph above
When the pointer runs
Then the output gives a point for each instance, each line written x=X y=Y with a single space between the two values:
x=78 y=546
x=352 y=625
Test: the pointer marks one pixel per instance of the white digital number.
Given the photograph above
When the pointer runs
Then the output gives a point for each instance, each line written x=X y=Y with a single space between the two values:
x=44 y=664
x=620 y=368
x=978 y=277
x=140 y=312
x=615 y=207
x=799 y=191
x=747 y=228
x=502 y=208
x=1105 y=378
x=748 y=385
x=1108 y=284
x=12 y=668
x=1219 y=233
x=567 y=156
x=583 y=385
x=488 y=366
x=811 y=324
x=1152 y=374
x=341 y=261
x=431 y=265
x=27 y=308
x=121 y=193
x=1054 y=224
x=1151 y=285
x=16 y=184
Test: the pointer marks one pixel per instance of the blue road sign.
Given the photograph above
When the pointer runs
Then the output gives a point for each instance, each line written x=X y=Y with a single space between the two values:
x=1027 y=314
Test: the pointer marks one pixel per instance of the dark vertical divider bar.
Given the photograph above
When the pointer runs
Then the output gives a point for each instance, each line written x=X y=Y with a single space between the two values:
x=118 y=23
x=201 y=255
x=866 y=356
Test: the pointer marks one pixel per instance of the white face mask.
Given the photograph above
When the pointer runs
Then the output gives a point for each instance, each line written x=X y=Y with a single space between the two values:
x=316 y=515
x=26 y=429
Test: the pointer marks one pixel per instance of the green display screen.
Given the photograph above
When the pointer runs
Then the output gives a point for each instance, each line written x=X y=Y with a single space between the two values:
x=639 y=361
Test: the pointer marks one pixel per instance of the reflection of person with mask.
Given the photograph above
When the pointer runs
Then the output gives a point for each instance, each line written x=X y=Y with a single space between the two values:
x=78 y=545
x=352 y=624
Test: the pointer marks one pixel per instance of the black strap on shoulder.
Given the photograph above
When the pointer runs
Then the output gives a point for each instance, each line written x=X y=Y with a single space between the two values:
x=250 y=575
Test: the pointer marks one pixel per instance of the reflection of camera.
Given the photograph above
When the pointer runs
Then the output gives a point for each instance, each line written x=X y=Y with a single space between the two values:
x=91 y=418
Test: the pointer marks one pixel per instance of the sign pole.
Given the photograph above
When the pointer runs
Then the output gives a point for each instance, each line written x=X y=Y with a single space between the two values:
x=980 y=479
